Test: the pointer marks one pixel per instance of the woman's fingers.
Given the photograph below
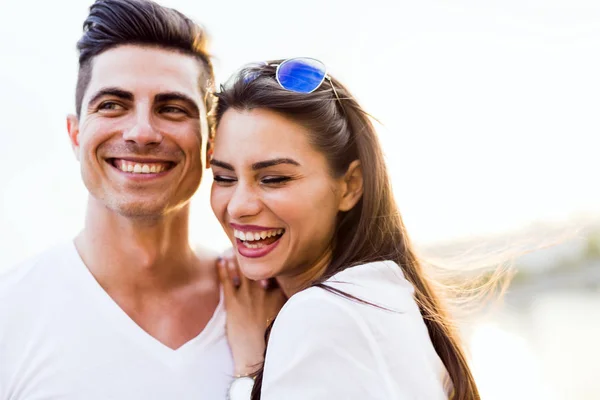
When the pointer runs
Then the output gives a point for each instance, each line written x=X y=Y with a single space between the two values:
x=224 y=277
x=235 y=275
x=234 y=272
x=232 y=268
x=264 y=283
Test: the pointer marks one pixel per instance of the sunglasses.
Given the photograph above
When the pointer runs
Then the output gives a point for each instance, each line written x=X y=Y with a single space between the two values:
x=301 y=74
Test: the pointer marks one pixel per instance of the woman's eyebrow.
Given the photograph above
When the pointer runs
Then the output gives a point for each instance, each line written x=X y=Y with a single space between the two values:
x=273 y=162
x=256 y=165
x=221 y=164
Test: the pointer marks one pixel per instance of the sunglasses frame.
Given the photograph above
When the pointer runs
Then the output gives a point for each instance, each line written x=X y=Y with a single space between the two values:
x=325 y=75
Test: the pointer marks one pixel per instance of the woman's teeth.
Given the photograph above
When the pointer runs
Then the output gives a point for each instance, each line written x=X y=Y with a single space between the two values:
x=256 y=239
x=251 y=236
x=253 y=246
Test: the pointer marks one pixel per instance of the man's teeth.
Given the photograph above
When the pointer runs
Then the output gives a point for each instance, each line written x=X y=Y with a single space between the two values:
x=256 y=235
x=140 y=168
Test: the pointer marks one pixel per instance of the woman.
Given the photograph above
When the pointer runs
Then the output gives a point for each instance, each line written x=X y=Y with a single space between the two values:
x=302 y=190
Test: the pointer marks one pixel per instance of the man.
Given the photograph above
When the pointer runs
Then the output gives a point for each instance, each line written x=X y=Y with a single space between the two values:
x=127 y=310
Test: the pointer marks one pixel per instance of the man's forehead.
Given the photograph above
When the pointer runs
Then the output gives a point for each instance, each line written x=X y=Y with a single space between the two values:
x=146 y=71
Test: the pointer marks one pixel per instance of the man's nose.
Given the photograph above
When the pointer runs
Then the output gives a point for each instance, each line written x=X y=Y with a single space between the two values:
x=143 y=131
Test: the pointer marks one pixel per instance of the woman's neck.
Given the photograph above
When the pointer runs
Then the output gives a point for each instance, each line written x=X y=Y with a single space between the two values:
x=297 y=281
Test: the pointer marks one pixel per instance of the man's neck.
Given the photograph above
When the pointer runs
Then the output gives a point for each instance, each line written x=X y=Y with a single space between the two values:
x=134 y=254
x=149 y=269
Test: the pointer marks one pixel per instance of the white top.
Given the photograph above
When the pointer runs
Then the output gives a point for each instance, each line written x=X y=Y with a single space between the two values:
x=325 y=346
x=63 y=338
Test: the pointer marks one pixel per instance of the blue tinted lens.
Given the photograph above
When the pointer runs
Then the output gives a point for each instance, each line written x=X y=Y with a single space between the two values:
x=302 y=75
x=250 y=76
x=251 y=71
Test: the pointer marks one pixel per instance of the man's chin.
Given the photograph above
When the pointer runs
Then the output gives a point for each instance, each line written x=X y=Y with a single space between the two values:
x=140 y=210
x=141 y=214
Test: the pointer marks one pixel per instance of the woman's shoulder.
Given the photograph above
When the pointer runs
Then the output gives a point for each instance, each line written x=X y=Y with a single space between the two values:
x=320 y=338
x=320 y=326
x=380 y=283
x=318 y=314
x=377 y=272
x=365 y=325
x=350 y=299
x=372 y=304
x=317 y=303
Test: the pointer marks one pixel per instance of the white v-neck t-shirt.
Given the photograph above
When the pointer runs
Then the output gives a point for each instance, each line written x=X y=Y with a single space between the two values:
x=325 y=346
x=62 y=337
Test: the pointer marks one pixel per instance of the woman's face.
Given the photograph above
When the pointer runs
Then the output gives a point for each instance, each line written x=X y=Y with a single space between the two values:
x=274 y=195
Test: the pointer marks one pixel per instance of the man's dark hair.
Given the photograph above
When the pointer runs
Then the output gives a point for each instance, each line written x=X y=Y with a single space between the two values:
x=113 y=23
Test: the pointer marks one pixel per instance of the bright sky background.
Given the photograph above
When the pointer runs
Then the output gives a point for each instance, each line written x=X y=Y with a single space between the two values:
x=490 y=108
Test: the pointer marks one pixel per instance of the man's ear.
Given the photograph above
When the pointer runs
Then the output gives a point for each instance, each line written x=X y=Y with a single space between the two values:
x=352 y=186
x=73 y=129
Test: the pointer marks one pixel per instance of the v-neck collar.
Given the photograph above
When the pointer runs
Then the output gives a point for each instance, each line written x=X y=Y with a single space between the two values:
x=121 y=321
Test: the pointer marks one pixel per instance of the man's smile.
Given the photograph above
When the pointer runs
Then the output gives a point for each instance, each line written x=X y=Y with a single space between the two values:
x=141 y=166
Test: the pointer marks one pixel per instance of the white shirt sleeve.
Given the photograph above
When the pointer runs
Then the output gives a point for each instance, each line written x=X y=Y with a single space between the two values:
x=320 y=349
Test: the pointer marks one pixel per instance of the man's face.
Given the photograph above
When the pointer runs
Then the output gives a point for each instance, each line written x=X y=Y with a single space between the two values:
x=139 y=139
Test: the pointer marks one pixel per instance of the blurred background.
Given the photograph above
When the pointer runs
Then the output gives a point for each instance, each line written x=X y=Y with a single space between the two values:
x=489 y=113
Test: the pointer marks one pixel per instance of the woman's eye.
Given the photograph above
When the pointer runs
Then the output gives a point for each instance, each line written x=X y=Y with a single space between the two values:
x=274 y=180
x=224 y=179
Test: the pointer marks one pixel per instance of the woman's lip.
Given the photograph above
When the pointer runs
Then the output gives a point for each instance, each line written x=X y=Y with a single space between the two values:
x=255 y=253
x=251 y=228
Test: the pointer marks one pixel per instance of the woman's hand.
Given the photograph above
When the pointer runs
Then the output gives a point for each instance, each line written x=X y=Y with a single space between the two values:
x=251 y=306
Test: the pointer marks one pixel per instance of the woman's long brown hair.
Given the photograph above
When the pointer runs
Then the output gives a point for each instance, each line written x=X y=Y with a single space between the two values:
x=373 y=230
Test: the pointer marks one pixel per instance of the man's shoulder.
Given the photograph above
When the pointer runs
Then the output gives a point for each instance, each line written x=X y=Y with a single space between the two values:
x=26 y=275
x=205 y=252
x=206 y=255
x=32 y=293
x=18 y=274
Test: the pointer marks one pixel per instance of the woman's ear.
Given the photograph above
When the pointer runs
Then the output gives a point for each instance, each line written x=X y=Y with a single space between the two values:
x=352 y=186
x=209 y=151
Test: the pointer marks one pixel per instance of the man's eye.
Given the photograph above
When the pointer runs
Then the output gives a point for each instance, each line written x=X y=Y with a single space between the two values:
x=274 y=180
x=110 y=106
x=172 y=110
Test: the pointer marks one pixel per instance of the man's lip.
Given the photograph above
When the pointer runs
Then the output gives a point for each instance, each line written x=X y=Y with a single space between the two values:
x=251 y=228
x=141 y=160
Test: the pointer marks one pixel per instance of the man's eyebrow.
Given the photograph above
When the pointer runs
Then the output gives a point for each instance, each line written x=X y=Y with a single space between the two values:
x=273 y=162
x=111 y=91
x=177 y=96
x=221 y=164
